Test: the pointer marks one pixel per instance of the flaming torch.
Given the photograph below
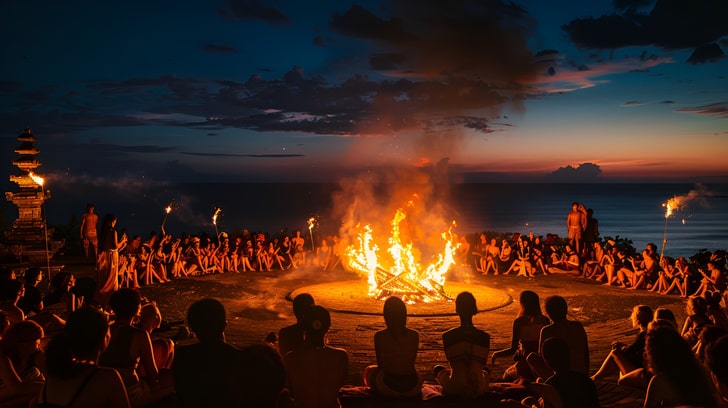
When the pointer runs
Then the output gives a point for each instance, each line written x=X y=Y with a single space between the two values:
x=672 y=205
x=214 y=220
x=311 y=223
x=40 y=181
x=167 y=210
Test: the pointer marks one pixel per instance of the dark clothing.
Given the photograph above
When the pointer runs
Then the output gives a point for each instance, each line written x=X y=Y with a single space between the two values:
x=208 y=375
x=30 y=300
x=576 y=389
x=107 y=239
x=117 y=354
x=52 y=298
x=591 y=232
x=635 y=351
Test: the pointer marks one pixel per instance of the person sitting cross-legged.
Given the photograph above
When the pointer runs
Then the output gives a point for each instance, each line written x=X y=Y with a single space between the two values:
x=570 y=330
x=466 y=348
x=210 y=372
x=396 y=350
x=316 y=371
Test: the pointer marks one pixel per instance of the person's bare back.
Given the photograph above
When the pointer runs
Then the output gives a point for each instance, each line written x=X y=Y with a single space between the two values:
x=89 y=237
x=316 y=371
x=316 y=374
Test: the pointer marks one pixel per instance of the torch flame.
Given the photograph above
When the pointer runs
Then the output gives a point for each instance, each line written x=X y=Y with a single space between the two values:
x=674 y=204
x=168 y=209
x=311 y=222
x=214 y=216
x=38 y=179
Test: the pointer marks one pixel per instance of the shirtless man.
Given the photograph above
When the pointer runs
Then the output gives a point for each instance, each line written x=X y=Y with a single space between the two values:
x=316 y=371
x=89 y=237
x=575 y=224
x=570 y=330
x=467 y=351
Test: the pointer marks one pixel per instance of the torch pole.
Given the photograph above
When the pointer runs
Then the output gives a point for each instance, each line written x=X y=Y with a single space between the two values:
x=313 y=247
x=664 y=239
x=45 y=233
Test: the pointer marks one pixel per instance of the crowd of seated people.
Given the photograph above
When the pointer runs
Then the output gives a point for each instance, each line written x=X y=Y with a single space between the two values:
x=162 y=258
x=609 y=262
x=140 y=367
x=674 y=364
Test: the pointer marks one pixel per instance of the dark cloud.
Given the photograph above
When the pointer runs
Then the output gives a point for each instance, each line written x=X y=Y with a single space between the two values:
x=632 y=103
x=444 y=61
x=719 y=110
x=57 y=121
x=219 y=49
x=360 y=22
x=631 y=4
x=672 y=24
x=706 y=53
x=484 y=40
x=386 y=61
x=252 y=10
x=583 y=173
x=668 y=102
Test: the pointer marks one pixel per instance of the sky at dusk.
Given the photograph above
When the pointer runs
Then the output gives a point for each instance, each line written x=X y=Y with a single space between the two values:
x=248 y=90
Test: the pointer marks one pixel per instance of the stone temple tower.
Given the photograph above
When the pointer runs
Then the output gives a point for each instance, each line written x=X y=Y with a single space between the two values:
x=29 y=233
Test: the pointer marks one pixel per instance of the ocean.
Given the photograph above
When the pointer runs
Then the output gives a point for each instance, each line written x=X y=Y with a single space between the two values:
x=633 y=211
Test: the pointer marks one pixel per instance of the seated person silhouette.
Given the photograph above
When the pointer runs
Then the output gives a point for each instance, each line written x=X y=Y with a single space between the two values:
x=291 y=337
x=208 y=373
x=467 y=351
x=316 y=371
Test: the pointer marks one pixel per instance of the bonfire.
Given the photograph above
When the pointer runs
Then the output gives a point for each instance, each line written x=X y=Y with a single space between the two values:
x=397 y=270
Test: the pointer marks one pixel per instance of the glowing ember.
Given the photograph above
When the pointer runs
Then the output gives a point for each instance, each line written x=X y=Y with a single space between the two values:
x=36 y=178
x=399 y=271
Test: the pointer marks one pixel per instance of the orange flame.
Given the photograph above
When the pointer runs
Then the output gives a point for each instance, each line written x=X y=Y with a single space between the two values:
x=38 y=179
x=168 y=209
x=401 y=262
x=311 y=222
x=674 y=204
x=214 y=216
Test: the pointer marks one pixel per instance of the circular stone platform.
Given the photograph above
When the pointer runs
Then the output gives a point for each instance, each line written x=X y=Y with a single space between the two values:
x=350 y=296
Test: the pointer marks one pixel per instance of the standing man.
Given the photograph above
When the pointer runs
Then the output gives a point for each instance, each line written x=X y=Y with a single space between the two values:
x=89 y=235
x=575 y=224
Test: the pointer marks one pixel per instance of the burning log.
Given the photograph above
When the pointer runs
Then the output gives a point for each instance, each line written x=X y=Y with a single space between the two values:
x=388 y=283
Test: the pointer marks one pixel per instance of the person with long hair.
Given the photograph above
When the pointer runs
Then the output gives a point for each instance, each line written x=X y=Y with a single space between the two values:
x=130 y=348
x=526 y=331
x=107 y=264
x=74 y=378
x=678 y=378
x=22 y=363
x=396 y=350
x=697 y=316
x=628 y=360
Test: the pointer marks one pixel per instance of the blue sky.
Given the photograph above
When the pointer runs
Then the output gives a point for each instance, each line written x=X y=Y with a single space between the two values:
x=246 y=90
